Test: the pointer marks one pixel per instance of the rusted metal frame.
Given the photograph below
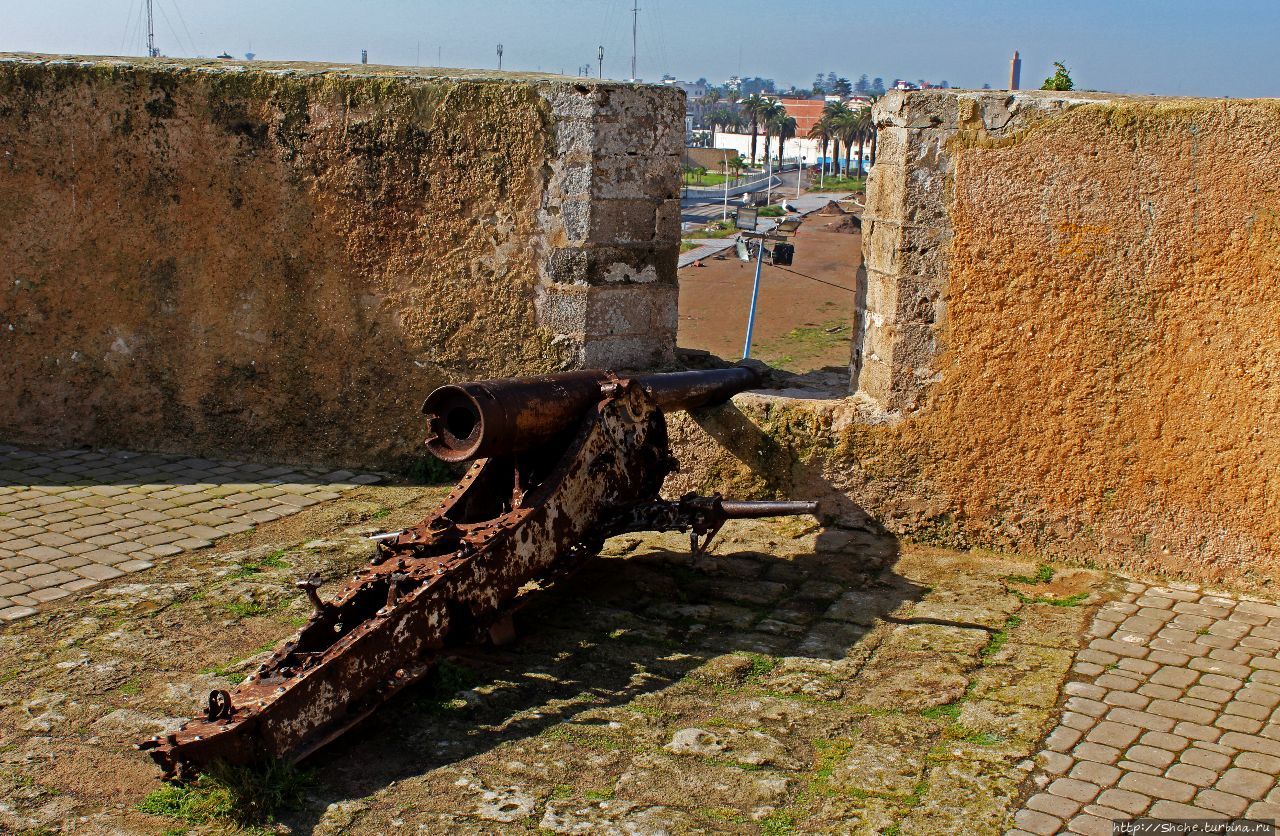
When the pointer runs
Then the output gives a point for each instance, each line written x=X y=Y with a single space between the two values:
x=299 y=700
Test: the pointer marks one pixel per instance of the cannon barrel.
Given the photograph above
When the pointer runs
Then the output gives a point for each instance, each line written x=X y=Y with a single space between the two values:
x=747 y=509
x=488 y=418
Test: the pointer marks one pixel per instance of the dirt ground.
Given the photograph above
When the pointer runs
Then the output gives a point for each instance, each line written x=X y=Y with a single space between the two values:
x=801 y=324
x=799 y=679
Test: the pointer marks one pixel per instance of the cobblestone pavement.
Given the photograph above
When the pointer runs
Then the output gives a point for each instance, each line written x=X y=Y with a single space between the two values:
x=1171 y=712
x=70 y=519
x=798 y=680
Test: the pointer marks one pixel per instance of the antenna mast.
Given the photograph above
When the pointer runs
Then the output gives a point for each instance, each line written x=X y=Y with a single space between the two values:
x=152 y=52
x=635 y=20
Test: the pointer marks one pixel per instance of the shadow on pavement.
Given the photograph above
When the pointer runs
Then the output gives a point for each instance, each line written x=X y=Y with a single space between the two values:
x=626 y=628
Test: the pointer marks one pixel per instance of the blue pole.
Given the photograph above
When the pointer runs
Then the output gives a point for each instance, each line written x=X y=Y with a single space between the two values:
x=755 y=294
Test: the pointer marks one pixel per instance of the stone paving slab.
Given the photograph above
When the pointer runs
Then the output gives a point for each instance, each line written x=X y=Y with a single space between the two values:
x=70 y=519
x=1172 y=711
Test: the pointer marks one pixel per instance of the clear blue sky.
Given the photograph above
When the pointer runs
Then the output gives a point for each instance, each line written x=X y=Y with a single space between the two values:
x=1180 y=47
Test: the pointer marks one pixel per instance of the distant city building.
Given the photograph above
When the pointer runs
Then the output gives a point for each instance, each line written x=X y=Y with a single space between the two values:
x=692 y=89
x=806 y=112
x=694 y=92
x=1015 y=71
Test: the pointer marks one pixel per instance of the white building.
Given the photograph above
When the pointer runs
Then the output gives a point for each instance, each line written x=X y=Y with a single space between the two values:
x=802 y=147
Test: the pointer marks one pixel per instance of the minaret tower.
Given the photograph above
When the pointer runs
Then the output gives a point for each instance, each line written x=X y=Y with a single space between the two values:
x=1015 y=71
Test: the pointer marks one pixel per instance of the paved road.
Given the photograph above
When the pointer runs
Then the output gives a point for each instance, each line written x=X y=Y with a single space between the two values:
x=805 y=204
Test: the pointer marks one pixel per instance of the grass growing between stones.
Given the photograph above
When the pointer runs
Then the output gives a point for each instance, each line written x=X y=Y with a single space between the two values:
x=1044 y=574
x=777 y=823
x=946 y=713
x=275 y=560
x=246 y=609
x=242 y=796
x=1000 y=638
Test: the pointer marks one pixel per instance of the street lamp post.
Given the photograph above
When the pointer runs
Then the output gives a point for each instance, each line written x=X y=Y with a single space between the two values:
x=768 y=189
x=755 y=296
x=725 y=216
x=799 y=176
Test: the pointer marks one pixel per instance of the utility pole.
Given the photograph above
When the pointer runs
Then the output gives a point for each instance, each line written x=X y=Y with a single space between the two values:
x=635 y=22
x=152 y=52
x=600 y=61
x=499 y=56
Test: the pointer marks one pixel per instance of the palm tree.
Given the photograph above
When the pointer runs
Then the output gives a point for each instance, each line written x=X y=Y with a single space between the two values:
x=713 y=119
x=751 y=106
x=832 y=116
x=866 y=129
x=721 y=118
x=821 y=133
x=875 y=137
x=849 y=129
x=770 y=112
x=705 y=103
x=785 y=127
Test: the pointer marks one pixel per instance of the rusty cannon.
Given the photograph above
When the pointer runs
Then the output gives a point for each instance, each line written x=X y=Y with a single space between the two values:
x=560 y=464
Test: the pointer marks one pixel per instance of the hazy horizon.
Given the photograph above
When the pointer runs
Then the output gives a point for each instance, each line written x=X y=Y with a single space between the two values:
x=1137 y=46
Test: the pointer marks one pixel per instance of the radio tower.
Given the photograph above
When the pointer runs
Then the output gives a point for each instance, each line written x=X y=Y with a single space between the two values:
x=152 y=52
x=635 y=20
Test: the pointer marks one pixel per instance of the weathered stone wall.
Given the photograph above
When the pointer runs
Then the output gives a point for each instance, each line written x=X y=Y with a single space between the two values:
x=282 y=260
x=1070 y=342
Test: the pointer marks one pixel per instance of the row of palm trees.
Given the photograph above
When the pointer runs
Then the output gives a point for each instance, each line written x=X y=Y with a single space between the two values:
x=839 y=124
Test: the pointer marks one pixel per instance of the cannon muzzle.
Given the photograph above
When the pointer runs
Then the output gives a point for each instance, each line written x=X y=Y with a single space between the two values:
x=489 y=418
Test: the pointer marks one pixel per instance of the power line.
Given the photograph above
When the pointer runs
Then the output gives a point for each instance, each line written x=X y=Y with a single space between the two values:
x=190 y=40
x=128 y=25
x=172 y=31
x=814 y=278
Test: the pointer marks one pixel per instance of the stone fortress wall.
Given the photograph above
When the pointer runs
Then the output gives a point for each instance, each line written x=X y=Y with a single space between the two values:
x=282 y=260
x=1068 y=341
x=1068 y=316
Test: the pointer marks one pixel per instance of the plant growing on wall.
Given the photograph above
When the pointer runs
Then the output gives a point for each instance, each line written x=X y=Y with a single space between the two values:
x=1060 y=80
